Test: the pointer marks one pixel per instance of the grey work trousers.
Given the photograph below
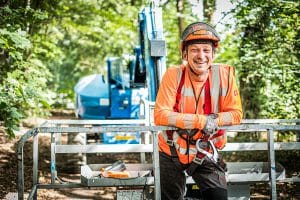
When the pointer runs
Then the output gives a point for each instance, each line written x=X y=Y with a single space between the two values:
x=208 y=177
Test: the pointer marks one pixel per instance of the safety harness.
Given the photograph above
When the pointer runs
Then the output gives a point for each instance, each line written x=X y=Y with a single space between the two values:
x=205 y=151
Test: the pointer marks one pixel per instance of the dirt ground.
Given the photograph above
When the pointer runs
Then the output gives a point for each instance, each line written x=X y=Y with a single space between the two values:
x=8 y=173
x=8 y=168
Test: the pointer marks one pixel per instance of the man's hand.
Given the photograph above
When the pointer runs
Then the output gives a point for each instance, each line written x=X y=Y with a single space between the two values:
x=211 y=126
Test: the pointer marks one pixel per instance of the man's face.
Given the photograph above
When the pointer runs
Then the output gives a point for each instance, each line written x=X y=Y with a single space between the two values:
x=199 y=57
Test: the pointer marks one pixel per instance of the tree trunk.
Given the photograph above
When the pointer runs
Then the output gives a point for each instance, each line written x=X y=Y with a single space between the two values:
x=180 y=8
x=209 y=7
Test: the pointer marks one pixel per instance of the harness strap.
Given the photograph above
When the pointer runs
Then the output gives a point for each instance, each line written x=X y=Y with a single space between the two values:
x=178 y=94
x=207 y=100
x=207 y=111
x=174 y=155
x=176 y=106
x=169 y=133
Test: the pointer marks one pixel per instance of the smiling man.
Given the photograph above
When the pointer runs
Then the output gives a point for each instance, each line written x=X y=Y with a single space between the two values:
x=197 y=97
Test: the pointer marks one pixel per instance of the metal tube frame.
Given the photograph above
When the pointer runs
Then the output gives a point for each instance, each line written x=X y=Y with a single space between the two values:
x=272 y=168
x=51 y=127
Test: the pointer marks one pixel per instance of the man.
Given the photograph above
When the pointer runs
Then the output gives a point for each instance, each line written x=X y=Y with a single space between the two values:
x=196 y=97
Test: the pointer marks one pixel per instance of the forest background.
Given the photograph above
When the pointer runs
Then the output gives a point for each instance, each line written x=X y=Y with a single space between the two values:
x=47 y=46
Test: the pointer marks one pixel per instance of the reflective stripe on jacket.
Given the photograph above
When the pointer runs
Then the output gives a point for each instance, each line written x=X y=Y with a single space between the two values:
x=225 y=101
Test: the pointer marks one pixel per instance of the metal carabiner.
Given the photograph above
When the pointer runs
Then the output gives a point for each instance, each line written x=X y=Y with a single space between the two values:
x=212 y=156
x=215 y=151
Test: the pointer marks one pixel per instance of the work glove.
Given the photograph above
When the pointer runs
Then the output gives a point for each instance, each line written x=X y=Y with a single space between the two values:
x=211 y=125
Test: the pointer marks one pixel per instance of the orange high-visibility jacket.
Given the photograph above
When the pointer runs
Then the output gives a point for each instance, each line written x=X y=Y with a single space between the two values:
x=225 y=101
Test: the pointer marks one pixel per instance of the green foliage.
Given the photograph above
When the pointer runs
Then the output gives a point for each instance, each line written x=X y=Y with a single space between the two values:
x=228 y=51
x=84 y=34
x=46 y=47
x=13 y=44
x=171 y=33
x=23 y=93
x=269 y=58
x=23 y=89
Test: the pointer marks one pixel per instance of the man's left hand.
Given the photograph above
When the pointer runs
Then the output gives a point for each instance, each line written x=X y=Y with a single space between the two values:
x=211 y=126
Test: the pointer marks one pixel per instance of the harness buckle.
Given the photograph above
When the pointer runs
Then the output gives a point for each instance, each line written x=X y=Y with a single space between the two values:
x=170 y=142
x=199 y=161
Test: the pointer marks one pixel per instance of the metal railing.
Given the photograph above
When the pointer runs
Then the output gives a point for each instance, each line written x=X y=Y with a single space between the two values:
x=96 y=126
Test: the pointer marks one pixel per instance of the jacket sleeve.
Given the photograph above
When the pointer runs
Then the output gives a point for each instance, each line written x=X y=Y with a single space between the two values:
x=165 y=100
x=230 y=106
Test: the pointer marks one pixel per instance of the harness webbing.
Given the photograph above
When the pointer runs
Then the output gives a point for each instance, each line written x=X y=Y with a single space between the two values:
x=170 y=132
x=189 y=135
x=189 y=140
x=207 y=100
x=178 y=94
x=207 y=111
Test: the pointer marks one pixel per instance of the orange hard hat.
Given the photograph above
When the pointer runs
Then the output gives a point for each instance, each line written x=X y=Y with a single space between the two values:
x=199 y=31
